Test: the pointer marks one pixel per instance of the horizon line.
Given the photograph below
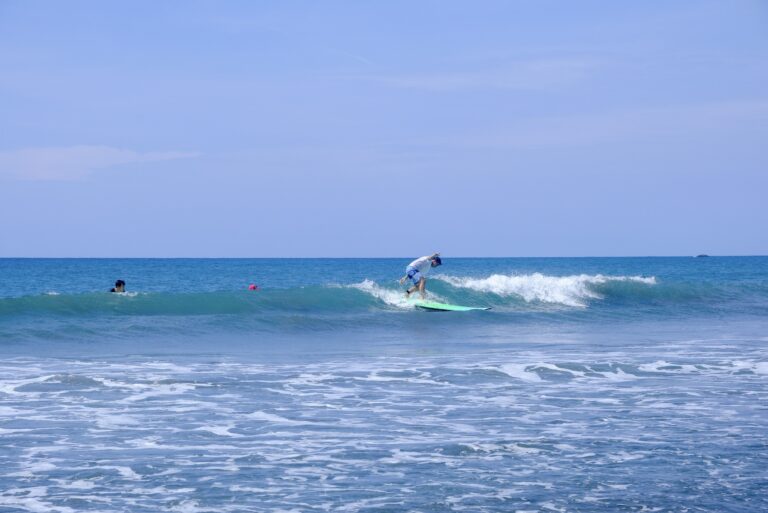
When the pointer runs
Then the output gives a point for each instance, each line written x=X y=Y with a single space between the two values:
x=702 y=255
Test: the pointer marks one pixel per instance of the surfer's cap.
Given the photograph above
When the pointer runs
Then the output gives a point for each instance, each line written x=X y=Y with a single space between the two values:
x=436 y=261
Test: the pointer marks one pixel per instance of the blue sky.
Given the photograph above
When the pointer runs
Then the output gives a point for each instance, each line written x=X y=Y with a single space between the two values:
x=494 y=128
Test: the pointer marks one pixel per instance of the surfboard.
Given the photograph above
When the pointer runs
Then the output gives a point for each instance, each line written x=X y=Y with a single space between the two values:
x=443 y=307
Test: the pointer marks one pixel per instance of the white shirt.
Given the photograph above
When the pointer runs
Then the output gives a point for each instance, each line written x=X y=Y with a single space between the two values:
x=423 y=264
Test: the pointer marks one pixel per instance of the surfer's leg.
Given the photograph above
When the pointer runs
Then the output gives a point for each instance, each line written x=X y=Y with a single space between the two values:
x=416 y=279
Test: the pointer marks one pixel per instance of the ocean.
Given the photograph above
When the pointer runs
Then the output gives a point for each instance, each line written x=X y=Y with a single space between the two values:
x=593 y=385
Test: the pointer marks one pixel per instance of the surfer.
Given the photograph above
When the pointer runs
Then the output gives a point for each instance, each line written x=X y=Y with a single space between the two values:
x=119 y=286
x=416 y=270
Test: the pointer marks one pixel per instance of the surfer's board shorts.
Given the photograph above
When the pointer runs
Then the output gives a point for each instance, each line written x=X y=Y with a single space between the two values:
x=414 y=275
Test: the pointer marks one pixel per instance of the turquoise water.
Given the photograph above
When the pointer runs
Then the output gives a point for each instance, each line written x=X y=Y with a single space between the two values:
x=593 y=384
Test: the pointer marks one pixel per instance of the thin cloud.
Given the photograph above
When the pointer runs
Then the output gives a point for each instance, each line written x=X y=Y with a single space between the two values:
x=621 y=125
x=74 y=162
x=528 y=75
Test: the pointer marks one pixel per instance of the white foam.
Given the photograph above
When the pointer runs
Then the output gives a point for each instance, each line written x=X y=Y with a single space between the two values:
x=33 y=504
x=520 y=371
x=125 y=294
x=562 y=370
x=619 y=375
x=167 y=366
x=115 y=420
x=189 y=506
x=389 y=296
x=250 y=489
x=32 y=468
x=399 y=457
x=663 y=366
x=277 y=419
x=543 y=484
x=551 y=506
x=220 y=430
x=728 y=367
x=654 y=367
x=156 y=390
x=80 y=484
x=623 y=456
x=9 y=387
x=377 y=377
x=603 y=401
x=126 y=472
x=145 y=443
x=7 y=411
x=565 y=290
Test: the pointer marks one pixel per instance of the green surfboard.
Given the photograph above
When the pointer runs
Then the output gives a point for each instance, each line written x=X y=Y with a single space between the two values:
x=434 y=306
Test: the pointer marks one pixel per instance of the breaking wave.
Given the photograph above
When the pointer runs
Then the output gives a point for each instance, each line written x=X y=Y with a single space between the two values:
x=574 y=291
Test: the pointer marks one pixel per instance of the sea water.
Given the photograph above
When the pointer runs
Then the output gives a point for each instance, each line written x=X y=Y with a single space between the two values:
x=593 y=384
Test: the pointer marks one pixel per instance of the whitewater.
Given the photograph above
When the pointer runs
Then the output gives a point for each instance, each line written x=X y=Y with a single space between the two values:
x=593 y=384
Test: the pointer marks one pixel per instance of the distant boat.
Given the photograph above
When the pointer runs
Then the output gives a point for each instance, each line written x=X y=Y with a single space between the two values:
x=701 y=256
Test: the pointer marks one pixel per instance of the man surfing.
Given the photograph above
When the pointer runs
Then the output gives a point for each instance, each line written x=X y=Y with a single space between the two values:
x=415 y=272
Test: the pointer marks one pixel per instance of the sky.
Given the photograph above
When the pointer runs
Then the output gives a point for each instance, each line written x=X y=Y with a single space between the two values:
x=383 y=129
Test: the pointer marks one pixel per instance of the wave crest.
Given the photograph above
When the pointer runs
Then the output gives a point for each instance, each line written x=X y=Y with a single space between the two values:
x=575 y=290
x=392 y=297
